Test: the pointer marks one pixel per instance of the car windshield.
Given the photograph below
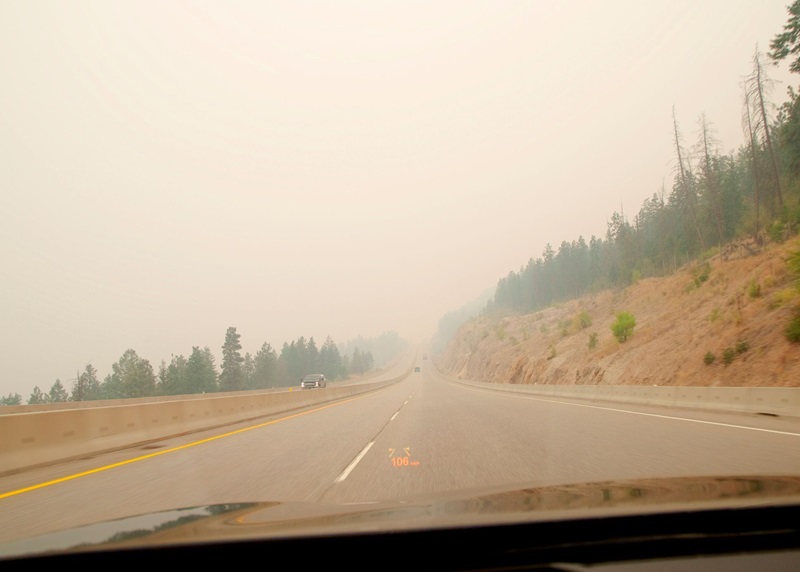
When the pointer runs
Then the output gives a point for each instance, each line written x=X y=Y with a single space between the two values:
x=527 y=246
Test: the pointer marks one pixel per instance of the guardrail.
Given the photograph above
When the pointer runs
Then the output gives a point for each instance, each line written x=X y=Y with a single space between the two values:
x=774 y=401
x=29 y=439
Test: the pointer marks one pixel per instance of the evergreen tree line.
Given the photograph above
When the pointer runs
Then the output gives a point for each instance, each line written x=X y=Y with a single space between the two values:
x=452 y=321
x=752 y=193
x=134 y=376
x=382 y=348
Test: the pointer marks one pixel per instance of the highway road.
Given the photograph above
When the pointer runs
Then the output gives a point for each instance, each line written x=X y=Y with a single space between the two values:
x=420 y=436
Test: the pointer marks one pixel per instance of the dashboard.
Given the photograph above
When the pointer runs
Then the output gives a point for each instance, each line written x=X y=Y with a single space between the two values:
x=760 y=537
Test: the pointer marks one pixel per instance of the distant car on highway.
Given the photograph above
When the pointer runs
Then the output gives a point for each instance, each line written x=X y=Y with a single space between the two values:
x=416 y=369
x=314 y=380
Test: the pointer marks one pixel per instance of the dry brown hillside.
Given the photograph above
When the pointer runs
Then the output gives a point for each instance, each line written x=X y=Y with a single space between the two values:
x=743 y=306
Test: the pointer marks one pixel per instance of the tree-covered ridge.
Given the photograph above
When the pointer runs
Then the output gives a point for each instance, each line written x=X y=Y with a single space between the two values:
x=379 y=349
x=752 y=193
x=134 y=376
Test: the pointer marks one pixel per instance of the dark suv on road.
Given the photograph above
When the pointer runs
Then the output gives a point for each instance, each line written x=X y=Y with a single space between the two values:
x=313 y=380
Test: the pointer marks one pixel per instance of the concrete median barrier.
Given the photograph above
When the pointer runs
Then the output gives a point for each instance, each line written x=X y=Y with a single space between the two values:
x=777 y=401
x=33 y=438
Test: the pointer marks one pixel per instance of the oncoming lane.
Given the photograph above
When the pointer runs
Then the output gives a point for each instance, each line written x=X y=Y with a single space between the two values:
x=293 y=457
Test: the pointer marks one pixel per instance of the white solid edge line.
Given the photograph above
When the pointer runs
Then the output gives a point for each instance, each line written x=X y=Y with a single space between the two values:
x=638 y=412
x=355 y=461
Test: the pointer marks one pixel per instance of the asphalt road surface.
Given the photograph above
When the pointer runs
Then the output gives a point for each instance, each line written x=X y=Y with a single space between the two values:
x=422 y=436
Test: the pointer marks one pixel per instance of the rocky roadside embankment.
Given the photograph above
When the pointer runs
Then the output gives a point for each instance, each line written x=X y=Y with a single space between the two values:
x=735 y=307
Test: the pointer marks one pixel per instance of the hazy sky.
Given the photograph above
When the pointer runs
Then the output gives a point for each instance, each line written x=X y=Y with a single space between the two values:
x=169 y=169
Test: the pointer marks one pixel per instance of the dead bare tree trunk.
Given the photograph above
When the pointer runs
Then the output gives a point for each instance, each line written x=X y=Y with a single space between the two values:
x=752 y=139
x=757 y=84
x=686 y=192
x=712 y=180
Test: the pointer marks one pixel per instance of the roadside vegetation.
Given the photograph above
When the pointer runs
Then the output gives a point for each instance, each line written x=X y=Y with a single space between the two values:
x=623 y=327
x=134 y=376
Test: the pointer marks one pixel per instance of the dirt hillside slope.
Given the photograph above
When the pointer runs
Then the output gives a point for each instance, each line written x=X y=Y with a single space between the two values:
x=736 y=308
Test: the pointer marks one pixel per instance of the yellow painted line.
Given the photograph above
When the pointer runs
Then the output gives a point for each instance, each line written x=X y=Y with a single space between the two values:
x=172 y=450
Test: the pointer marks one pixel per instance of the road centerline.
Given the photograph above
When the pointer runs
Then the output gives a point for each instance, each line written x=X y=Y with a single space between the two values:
x=170 y=450
x=354 y=462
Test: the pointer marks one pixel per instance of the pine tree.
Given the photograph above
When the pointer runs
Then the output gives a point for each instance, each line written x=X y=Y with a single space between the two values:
x=265 y=368
x=357 y=363
x=86 y=386
x=312 y=356
x=111 y=388
x=248 y=369
x=201 y=376
x=232 y=376
x=788 y=42
x=330 y=359
x=173 y=378
x=57 y=393
x=11 y=399
x=37 y=397
x=369 y=362
x=132 y=376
